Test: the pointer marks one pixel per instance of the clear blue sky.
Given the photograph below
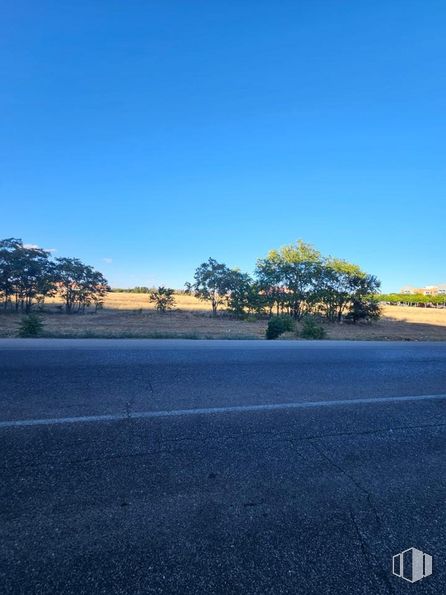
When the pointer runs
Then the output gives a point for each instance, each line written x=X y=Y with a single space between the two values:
x=145 y=136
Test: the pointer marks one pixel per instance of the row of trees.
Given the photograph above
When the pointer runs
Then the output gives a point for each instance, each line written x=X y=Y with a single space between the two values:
x=28 y=275
x=295 y=280
x=419 y=299
x=137 y=289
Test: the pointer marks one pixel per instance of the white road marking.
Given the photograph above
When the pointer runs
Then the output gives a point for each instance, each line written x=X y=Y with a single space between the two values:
x=213 y=410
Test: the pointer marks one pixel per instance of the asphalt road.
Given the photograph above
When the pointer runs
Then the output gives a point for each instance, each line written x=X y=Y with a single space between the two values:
x=220 y=467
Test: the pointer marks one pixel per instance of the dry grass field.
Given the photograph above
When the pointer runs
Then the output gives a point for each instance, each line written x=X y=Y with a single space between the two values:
x=132 y=315
x=137 y=301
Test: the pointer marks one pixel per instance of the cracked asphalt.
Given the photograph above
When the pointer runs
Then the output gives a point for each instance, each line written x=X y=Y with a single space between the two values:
x=290 y=500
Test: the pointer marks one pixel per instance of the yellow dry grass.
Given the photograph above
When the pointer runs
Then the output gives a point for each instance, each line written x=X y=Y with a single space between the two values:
x=133 y=301
x=397 y=323
x=132 y=315
x=138 y=301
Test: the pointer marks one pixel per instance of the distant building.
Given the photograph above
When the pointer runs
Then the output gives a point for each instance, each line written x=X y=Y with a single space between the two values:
x=439 y=289
x=430 y=290
x=408 y=290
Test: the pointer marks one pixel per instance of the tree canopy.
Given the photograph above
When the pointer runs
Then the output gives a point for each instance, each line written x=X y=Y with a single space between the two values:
x=28 y=275
x=295 y=280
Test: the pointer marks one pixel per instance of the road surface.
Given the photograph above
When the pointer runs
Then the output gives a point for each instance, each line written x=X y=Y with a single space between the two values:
x=220 y=467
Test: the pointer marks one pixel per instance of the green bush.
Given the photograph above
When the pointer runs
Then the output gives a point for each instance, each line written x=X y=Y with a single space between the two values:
x=251 y=318
x=163 y=298
x=30 y=326
x=279 y=325
x=311 y=329
x=366 y=310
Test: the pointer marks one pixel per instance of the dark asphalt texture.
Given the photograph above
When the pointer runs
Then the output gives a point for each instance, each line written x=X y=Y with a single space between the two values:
x=294 y=500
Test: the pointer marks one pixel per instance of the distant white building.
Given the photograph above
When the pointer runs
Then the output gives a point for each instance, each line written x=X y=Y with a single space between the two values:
x=439 y=289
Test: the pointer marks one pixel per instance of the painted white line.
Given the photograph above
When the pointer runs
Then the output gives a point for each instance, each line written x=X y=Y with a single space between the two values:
x=214 y=410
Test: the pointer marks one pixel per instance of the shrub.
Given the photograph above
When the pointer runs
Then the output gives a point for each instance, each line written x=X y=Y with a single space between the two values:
x=279 y=325
x=251 y=318
x=163 y=298
x=30 y=326
x=311 y=329
x=365 y=309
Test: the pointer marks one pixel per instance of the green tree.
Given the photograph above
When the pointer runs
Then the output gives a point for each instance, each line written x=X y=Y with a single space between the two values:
x=240 y=295
x=30 y=326
x=7 y=268
x=297 y=280
x=367 y=309
x=289 y=276
x=268 y=284
x=163 y=298
x=311 y=329
x=277 y=325
x=338 y=283
x=363 y=304
x=212 y=282
x=258 y=301
x=79 y=284
x=26 y=274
